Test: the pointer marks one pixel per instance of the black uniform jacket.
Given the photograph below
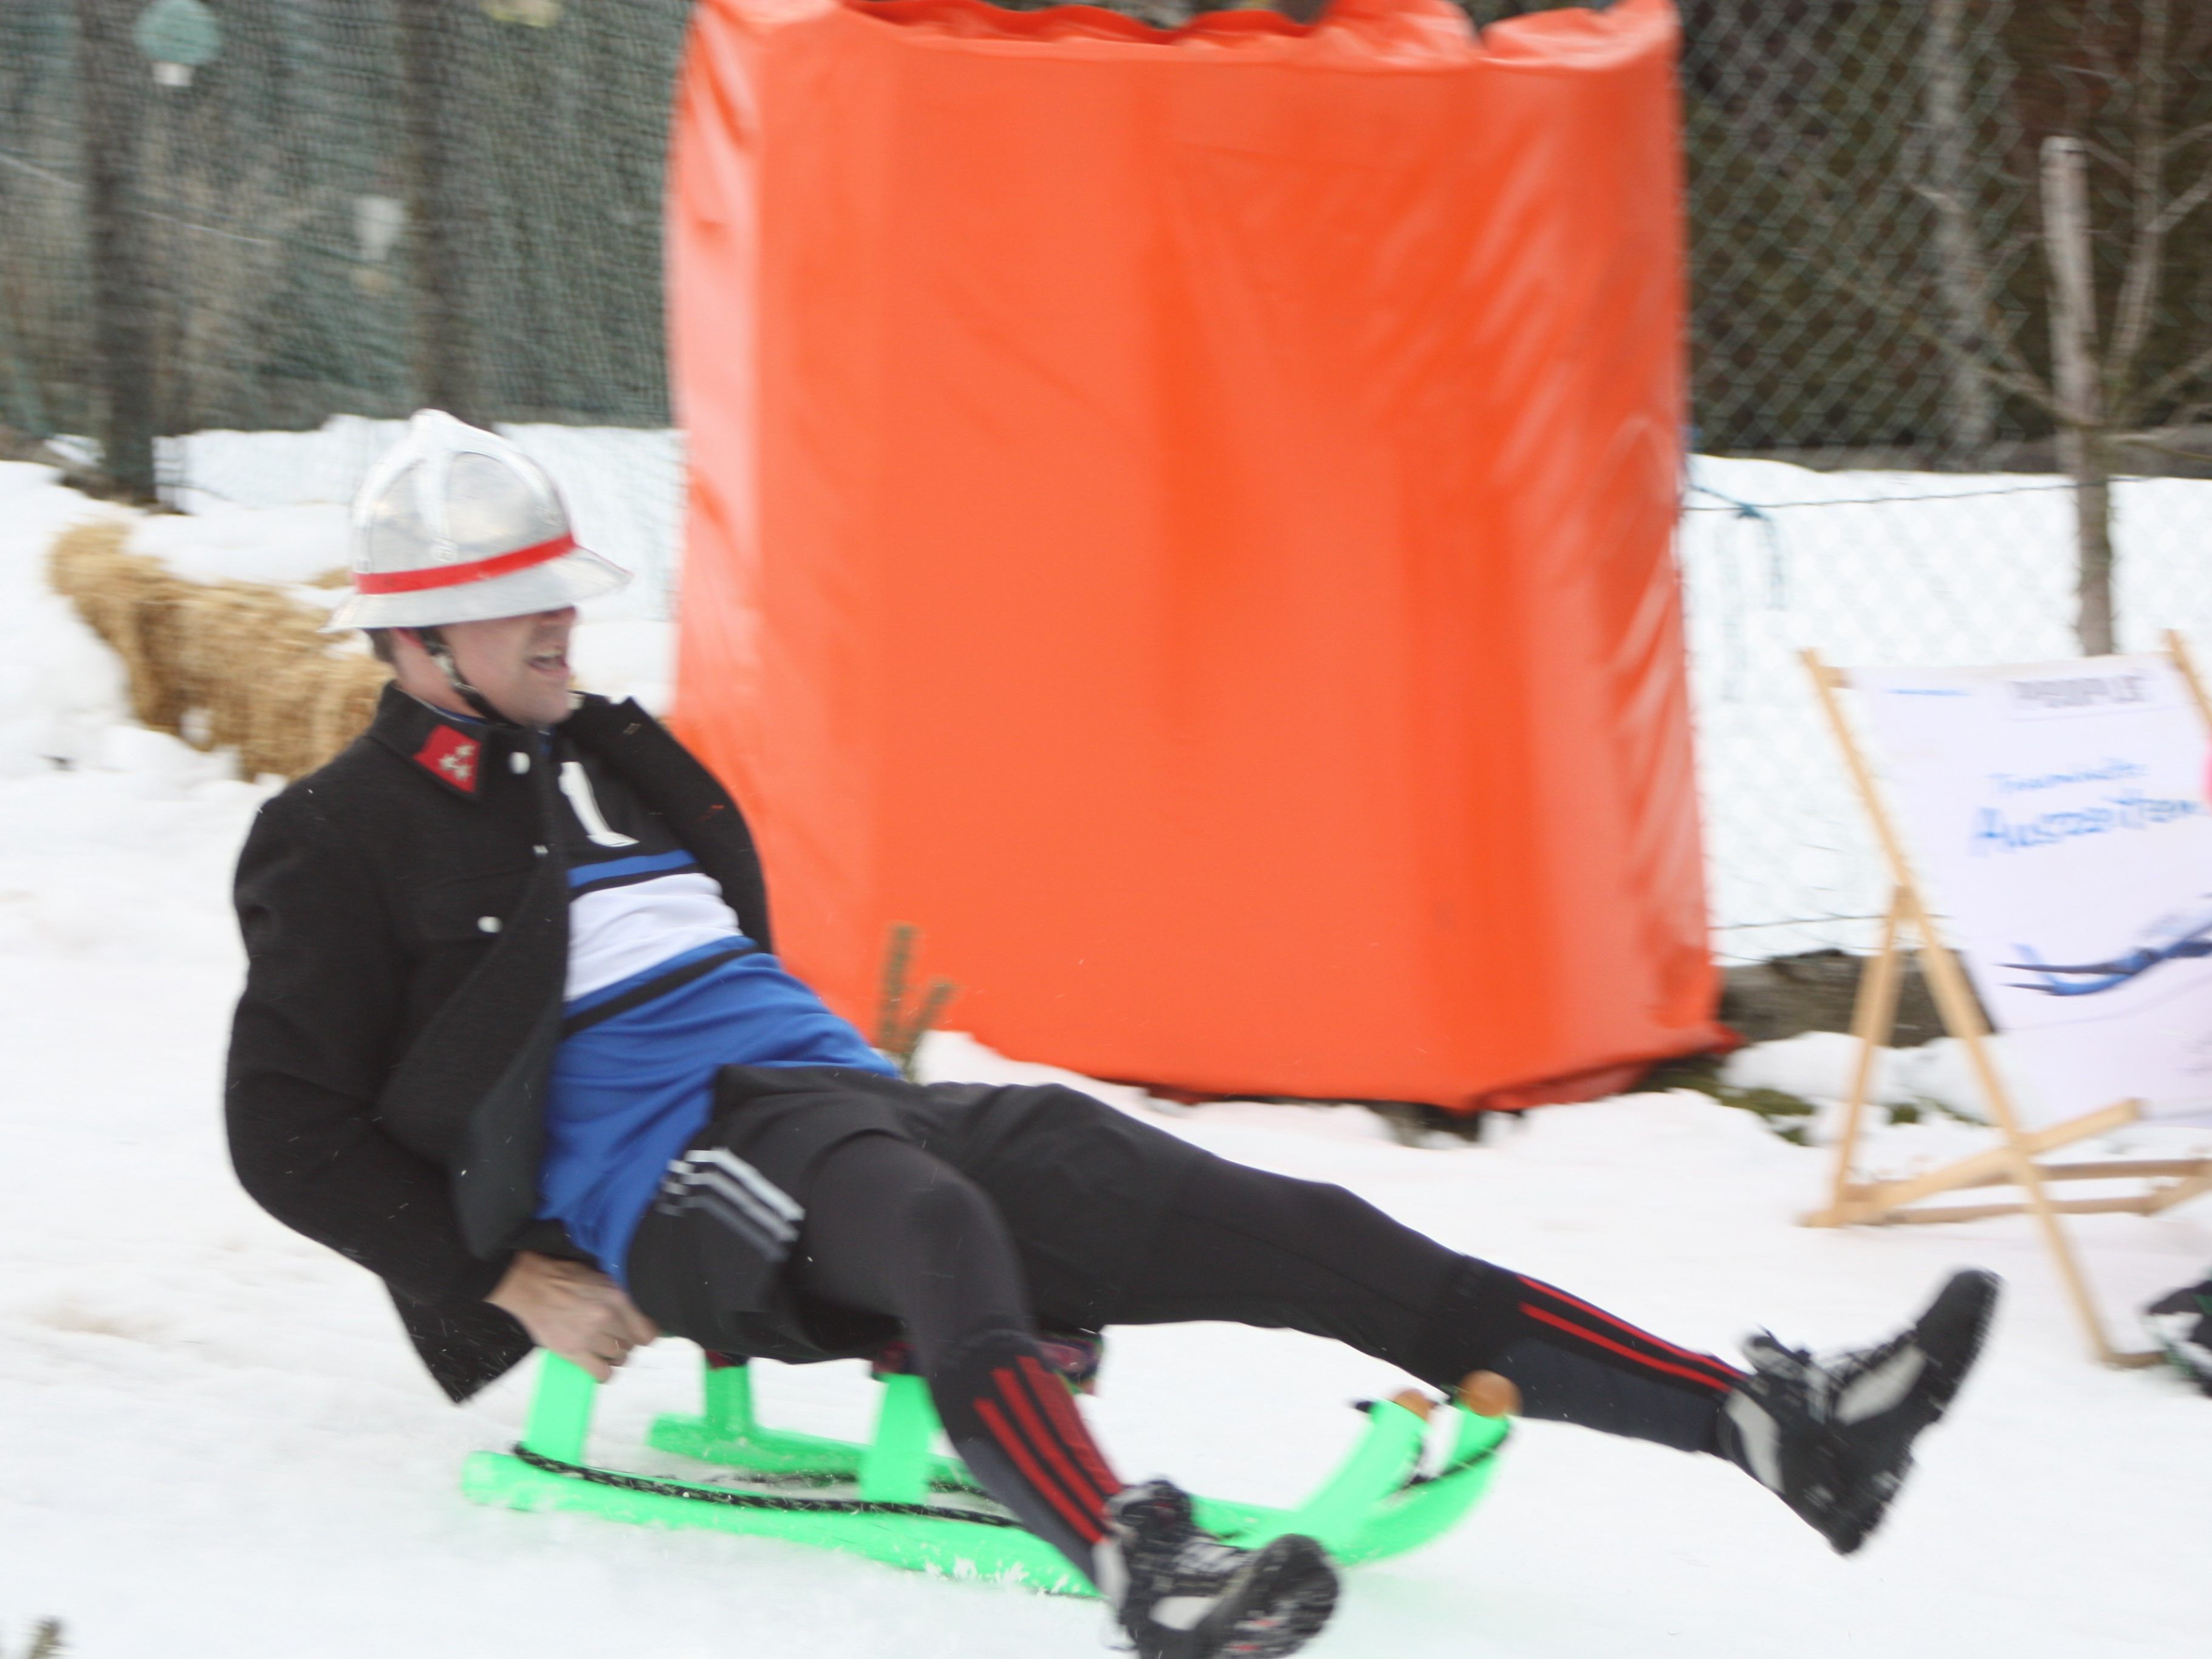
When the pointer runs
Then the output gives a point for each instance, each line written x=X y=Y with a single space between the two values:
x=405 y=911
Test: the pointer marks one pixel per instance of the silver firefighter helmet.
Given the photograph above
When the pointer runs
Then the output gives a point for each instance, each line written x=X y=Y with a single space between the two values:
x=454 y=524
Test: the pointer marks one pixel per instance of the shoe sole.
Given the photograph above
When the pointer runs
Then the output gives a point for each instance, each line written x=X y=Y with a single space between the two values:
x=2192 y=1360
x=1950 y=1333
x=1960 y=1318
x=1288 y=1592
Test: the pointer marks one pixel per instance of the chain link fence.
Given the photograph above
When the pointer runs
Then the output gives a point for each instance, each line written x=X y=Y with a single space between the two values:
x=286 y=211
x=1873 y=568
x=1889 y=448
x=304 y=217
x=312 y=215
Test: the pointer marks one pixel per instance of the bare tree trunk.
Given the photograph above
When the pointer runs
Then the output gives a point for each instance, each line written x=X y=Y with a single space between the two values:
x=447 y=369
x=113 y=81
x=2084 y=443
x=1970 y=408
x=2096 y=625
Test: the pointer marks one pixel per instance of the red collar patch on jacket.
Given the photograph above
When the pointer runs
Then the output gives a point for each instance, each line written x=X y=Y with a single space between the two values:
x=451 y=757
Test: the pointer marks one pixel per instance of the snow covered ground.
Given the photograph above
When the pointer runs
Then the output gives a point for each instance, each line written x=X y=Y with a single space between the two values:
x=214 y=1442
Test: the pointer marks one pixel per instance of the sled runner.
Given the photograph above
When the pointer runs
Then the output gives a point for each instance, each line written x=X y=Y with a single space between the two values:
x=895 y=1500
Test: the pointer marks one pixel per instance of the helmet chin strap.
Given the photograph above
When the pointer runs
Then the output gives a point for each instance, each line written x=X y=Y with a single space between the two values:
x=433 y=639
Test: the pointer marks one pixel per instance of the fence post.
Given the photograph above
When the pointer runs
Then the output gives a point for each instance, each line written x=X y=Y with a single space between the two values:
x=109 y=71
x=1970 y=408
x=447 y=362
x=2083 y=446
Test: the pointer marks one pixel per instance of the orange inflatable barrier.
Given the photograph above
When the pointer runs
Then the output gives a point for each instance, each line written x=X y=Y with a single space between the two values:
x=1184 y=520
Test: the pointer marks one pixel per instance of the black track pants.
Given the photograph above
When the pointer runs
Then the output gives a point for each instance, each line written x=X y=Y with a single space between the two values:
x=895 y=1233
x=1240 y=1244
x=890 y=1230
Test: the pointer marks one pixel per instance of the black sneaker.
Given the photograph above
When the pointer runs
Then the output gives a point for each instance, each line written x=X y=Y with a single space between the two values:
x=1183 y=1594
x=2181 y=1322
x=1833 y=1438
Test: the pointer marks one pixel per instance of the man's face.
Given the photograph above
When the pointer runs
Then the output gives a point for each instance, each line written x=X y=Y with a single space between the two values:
x=520 y=663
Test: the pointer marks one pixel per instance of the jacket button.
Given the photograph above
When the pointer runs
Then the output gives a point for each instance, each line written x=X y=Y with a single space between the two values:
x=488 y=923
x=519 y=761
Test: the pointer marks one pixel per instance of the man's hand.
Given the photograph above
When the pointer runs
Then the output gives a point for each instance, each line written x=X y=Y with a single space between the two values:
x=576 y=1311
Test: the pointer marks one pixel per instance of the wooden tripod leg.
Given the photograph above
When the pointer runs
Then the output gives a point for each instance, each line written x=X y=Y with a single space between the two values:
x=2178 y=648
x=1964 y=1017
x=1873 y=1019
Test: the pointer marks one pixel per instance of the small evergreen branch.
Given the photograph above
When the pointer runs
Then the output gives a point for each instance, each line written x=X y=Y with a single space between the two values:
x=934 y=1002
x=45 y=1640
x=897 y=1036
x=898 y=954
x=1788 y=1116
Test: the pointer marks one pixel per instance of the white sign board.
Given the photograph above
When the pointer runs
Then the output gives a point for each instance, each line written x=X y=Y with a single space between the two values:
x=2057 y=817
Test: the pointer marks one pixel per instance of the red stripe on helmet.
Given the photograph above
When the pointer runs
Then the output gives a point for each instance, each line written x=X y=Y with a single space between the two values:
x=454 y=576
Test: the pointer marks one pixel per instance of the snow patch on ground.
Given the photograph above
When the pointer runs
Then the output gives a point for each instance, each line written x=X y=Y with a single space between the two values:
x=1820 y=1064
x=286 y=546
x=59 y=686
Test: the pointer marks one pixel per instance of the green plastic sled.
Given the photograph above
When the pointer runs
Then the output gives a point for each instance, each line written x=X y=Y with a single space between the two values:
x=897 y=1501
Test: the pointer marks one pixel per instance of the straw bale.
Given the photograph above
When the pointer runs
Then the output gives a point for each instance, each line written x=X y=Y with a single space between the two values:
x=222 y=665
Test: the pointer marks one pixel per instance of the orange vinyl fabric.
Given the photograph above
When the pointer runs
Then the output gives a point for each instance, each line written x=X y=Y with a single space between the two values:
x=1183 y=518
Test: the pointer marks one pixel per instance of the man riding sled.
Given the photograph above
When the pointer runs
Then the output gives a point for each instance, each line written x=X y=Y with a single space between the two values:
x=513 y=1038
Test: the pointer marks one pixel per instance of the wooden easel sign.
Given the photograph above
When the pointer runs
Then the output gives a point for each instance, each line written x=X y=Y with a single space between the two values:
x=2060 y=810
